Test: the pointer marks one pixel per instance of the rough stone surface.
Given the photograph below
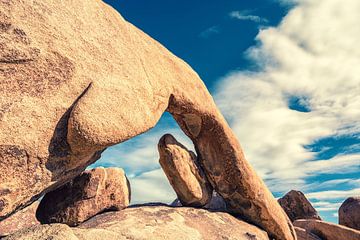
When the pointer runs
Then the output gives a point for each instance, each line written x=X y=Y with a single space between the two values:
x=349 y=213
x=302 y=234
x=216 y=203
x=22 y=219
x=92 y=192
x=296 y=206
x=68 y=91
x=184 y=173
x=156 y=223
x=328 y=231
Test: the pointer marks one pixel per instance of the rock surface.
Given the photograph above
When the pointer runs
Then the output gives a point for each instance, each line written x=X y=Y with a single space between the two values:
x=349 y=213
x=96 y=81
x=296 y=206
x=328 y=231
x=157 y=222
x=302 y=234
x=92 y=192
x=20 y=220
x=184 y=173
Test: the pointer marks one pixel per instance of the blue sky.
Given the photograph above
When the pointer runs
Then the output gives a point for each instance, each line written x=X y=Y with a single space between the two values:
x=285 y=75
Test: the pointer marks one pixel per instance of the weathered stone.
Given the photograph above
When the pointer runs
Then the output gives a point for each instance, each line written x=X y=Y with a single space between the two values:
x=349 y=213
x=68 y=91
x=156 y=223
x=184 y=173
x=216 y=203
x=90 y=193
x=296 y=206
x=45 y=232
x=20 y=220
x=327 y=231
x=302 y=234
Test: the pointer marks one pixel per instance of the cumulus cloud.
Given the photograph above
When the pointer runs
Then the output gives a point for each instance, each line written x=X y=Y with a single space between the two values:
x=313 y=55
x=245 y=16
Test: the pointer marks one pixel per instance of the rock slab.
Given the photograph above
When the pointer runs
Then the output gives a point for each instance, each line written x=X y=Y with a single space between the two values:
x=302 y=234
x=92 y=192
x=155 y=222
x=184 y=172
x=349 y=213
x=296 y=206
x=327 y=231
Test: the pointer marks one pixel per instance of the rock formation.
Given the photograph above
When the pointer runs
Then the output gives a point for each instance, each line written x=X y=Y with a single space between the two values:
x=184 y=173
x=349 y=213
x=22 y=219
x=156 y=222
x=77 y=78
x=327 y=231
x=297 y=206
x=302 y=234
x=90 y=193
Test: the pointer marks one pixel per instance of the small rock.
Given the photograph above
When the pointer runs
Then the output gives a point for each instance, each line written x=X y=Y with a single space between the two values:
x=297 y=206
x=85 y=196
x=327 y=231
x=349 y=213
x=24 y=218
x=184 y=174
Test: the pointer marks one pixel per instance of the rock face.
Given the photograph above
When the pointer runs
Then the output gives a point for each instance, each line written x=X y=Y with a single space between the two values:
x=157 y=222
x=349 y=213
x=20 y=220
x=328 y=231
x=68 y=91
x=90 y=193
x=297 y=206
x=184 y=173
x=302 y=234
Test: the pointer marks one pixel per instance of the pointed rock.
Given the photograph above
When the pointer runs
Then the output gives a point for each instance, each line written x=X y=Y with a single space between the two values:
x=296 y=206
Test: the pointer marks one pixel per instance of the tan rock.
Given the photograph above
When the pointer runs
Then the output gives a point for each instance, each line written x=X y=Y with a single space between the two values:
x=44 y=232
x=20 y=220
x=296 y=206
x=349 y=213
x=184 y=173
x=76 y=78
x=85 y=196
x=155 y=223
x=328 y=231
x=302 y=234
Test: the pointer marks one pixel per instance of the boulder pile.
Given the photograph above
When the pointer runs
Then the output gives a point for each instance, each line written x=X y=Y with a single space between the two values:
x=76 y=78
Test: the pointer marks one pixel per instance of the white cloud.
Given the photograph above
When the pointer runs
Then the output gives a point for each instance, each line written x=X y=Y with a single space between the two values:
x=210 y=31
x=151 y=186
x=314 y=55
x=331 y=194
x=244 y=15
